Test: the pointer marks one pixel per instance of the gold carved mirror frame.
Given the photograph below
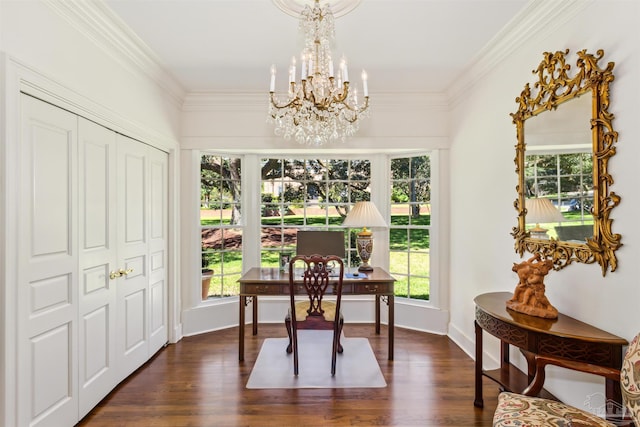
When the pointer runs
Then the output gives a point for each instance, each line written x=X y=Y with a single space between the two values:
x=554 y=86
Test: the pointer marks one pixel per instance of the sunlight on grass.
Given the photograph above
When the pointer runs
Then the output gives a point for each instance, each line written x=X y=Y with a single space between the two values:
x=411 y=269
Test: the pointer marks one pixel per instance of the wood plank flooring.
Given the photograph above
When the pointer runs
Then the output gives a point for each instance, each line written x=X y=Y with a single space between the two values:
x=199 y=382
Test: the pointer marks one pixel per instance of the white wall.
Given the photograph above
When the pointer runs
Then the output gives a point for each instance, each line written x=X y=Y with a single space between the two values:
x=94 y=61
x=483 y=178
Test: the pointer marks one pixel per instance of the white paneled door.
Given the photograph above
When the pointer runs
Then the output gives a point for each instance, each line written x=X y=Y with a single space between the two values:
x=158 y=258
x=47 y=350
x=141 y=290
x=98 y=244
x=92 y=298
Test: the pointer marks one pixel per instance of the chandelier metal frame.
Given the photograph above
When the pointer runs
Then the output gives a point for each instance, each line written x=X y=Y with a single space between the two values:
x=320 y=108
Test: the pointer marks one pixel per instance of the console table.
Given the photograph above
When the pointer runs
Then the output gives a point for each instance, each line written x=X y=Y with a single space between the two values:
x=271 y=281
x=564 y=337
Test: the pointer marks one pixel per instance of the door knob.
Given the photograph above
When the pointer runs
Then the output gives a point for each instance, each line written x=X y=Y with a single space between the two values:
x=124 y=272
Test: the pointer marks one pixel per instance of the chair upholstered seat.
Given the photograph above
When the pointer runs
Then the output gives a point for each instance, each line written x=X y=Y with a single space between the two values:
x=329 y=308
x=521 y=411
x=529 y=411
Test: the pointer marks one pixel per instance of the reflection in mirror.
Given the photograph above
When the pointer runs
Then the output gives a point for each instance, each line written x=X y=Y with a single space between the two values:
x=565 y=140
x=559 y=167
x=565 y=180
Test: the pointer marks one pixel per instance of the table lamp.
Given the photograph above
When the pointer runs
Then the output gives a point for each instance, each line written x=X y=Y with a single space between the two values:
x=364 y=214
x=541 y=211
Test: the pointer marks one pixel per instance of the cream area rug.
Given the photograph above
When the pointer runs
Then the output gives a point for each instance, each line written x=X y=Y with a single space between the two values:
x=356 y=366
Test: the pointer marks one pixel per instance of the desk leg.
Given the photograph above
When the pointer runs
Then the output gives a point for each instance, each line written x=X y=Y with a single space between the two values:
x=377 y=314
x=254 y=301
x=242 y=304
x=390 y=302
x=478 y=402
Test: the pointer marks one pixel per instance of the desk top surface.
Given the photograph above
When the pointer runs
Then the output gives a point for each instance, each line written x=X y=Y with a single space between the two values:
x=494 y=304
x=274 y=275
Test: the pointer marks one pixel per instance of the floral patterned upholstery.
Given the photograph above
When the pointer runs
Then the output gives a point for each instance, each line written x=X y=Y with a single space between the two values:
x=630 y=379
x=524 y=411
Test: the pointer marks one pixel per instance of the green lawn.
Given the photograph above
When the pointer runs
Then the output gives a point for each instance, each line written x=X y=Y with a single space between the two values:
x=227 y=266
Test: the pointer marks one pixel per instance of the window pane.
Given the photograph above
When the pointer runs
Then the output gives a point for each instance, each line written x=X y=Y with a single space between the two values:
x=220 y=217
x=316 y=194
x=409 y=228
x=419 y=239
x=419 y=262
x=419 y=288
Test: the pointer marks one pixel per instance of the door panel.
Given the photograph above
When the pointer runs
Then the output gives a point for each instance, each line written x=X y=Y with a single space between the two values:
x=97 y=258
x=158 y=295
x=132 y=288
x=48 y=269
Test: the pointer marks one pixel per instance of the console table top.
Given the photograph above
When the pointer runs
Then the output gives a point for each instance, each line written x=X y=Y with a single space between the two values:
x=494 y=304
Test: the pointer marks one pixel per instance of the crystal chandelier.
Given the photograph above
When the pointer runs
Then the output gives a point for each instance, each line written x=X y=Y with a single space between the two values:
x=320 y=108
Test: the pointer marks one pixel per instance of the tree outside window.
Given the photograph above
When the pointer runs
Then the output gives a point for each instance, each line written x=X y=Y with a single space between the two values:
x=220 y=220
x=410 y=225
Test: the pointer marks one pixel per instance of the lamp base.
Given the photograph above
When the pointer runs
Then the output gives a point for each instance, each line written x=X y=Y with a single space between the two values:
x=364 y=243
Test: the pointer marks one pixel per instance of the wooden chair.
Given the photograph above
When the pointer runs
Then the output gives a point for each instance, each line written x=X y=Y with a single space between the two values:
x=527 y=410
x=316 y=278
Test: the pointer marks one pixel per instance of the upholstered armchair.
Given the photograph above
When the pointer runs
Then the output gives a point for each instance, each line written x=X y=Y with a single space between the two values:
x=526 y=410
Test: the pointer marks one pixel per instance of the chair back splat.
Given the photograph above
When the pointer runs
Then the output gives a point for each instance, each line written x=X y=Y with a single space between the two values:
x=315 y=276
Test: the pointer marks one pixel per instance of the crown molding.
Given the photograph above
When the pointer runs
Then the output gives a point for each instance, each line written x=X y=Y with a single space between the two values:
x=538 y=19
x=105 y=29
x=24 y=78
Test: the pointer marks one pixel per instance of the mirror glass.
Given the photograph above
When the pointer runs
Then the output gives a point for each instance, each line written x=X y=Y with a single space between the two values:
x=559 y=167
x=565 y=141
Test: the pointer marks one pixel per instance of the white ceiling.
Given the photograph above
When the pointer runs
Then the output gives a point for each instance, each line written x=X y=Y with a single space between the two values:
x=229 y=45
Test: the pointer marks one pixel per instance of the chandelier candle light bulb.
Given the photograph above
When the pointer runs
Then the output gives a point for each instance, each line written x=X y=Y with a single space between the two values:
x=272 y=86
x=365 y=86
x=320 y=108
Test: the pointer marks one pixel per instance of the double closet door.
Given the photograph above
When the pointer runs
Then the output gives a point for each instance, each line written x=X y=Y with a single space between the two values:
x=92 y=298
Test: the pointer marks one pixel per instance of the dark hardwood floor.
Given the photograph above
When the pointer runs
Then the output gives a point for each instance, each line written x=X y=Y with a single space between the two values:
x=199 y=382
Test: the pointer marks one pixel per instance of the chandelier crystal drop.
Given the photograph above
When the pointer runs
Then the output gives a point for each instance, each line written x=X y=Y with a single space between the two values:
x=320 y=108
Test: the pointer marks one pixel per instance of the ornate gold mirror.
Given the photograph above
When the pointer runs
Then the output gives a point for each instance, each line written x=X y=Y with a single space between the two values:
x=565 y=140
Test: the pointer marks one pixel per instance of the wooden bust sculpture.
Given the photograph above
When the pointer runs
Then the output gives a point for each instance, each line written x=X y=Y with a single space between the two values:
x=529 y=297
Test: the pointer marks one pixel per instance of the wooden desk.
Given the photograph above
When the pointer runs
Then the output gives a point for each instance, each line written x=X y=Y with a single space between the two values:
x=271 y=281
x=564 y=337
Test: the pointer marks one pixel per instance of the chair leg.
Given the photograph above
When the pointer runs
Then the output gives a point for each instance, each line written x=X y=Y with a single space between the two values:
x=294 y=339
x=340 y=325
x=334 y=351
x=287 y=324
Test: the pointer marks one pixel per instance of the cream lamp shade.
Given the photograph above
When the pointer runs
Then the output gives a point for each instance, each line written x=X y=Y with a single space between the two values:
x=541 y=211
x=364 y=214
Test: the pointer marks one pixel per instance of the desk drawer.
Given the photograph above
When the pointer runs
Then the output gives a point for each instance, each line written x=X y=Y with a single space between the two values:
x=262 y=289
x=373 y=288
